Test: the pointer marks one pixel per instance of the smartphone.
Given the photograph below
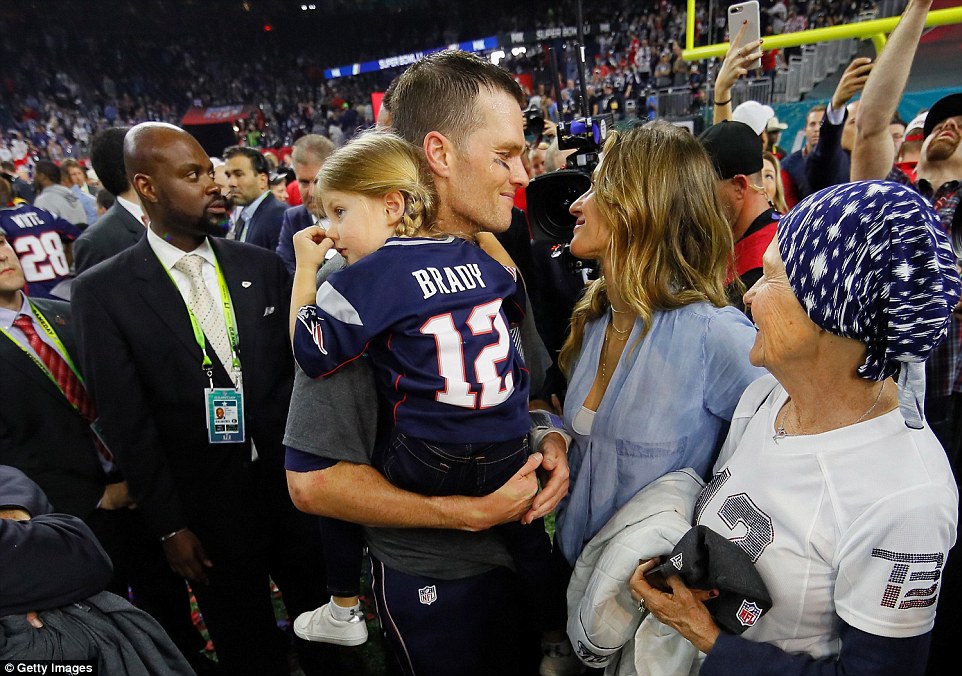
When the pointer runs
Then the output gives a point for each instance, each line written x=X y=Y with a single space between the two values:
x=738 y=15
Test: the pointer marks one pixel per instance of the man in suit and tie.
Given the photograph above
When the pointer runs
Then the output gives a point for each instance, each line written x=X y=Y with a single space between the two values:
x=248 y=176
x=45 y=431
x=124 y=223
x=307 y=156
x=183 y=339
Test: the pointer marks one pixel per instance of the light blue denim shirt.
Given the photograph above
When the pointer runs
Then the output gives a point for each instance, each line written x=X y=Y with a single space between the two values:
x=668 y=406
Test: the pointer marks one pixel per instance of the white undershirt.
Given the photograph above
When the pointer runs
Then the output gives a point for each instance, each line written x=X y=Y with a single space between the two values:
x=584 y=421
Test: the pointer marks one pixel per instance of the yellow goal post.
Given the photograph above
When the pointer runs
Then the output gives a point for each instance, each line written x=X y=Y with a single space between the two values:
x=875 y=30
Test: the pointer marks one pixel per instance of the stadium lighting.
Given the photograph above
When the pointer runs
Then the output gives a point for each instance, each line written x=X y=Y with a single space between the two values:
x=497 y=56
x=517 y=51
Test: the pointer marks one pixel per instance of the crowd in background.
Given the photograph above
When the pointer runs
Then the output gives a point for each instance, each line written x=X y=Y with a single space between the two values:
x=68 y=85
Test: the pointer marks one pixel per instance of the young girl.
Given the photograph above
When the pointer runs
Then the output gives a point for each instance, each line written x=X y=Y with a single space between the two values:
x=432 y=311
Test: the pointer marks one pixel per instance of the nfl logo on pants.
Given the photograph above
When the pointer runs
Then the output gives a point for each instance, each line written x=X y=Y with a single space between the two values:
x=428 y=595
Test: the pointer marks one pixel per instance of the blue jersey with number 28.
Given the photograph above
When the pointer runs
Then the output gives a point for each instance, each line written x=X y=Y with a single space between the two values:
x=38 y=238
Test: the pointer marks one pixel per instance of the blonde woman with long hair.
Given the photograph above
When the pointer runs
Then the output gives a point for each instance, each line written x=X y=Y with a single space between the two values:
x=655 y=359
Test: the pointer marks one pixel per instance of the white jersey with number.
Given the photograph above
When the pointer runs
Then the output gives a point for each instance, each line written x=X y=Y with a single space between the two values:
x=854 y=523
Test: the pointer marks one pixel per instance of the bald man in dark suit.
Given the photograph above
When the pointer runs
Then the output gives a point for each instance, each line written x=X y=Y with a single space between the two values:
x=168 y=380
x=44 y=434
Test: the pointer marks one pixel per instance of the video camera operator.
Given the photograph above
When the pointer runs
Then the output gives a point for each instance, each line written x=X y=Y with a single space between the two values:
x=558 y=279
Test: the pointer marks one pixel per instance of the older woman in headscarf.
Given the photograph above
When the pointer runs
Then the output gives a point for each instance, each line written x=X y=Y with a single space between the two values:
x=829 y=478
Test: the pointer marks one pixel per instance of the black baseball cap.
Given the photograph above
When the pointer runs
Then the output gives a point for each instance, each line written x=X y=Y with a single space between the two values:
x=947 y=106
x=706 y=560
x=734 y=149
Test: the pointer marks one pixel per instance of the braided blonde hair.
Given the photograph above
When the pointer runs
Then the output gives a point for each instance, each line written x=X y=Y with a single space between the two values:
x=379 y=162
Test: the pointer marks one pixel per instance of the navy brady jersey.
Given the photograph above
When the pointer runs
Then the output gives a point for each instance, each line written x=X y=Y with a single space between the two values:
x=433 y=314
x=38 y=238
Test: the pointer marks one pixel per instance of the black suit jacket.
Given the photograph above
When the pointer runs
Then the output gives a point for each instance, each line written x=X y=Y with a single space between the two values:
x=40 y=432
x=113 y=232
x=295 y=219
x=143 y=368
x=264 y=227
x=829 y=164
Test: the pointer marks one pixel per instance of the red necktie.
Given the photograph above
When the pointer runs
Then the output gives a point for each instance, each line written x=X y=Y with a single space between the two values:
x=64 y=376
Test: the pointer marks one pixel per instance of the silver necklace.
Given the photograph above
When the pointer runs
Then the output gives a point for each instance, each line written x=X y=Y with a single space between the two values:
x=780 y=432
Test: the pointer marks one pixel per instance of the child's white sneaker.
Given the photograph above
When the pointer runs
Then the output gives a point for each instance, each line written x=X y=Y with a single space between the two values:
x=320 y=625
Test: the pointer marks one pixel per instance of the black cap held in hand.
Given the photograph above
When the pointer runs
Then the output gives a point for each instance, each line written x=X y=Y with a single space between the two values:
x=706 y=560
x=733 y=148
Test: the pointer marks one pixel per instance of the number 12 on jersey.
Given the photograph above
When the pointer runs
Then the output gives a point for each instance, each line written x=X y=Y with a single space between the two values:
x=484 y=319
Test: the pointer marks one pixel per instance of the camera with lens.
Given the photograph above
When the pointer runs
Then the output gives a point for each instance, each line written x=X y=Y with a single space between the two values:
x=533 y=123
x=551 y=195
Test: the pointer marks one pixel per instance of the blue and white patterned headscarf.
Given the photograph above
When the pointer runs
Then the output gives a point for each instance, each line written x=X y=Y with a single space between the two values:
x=870 y=261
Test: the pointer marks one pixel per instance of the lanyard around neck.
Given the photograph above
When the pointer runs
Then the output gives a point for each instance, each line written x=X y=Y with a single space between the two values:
x=226 y=307
x=55 y=339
